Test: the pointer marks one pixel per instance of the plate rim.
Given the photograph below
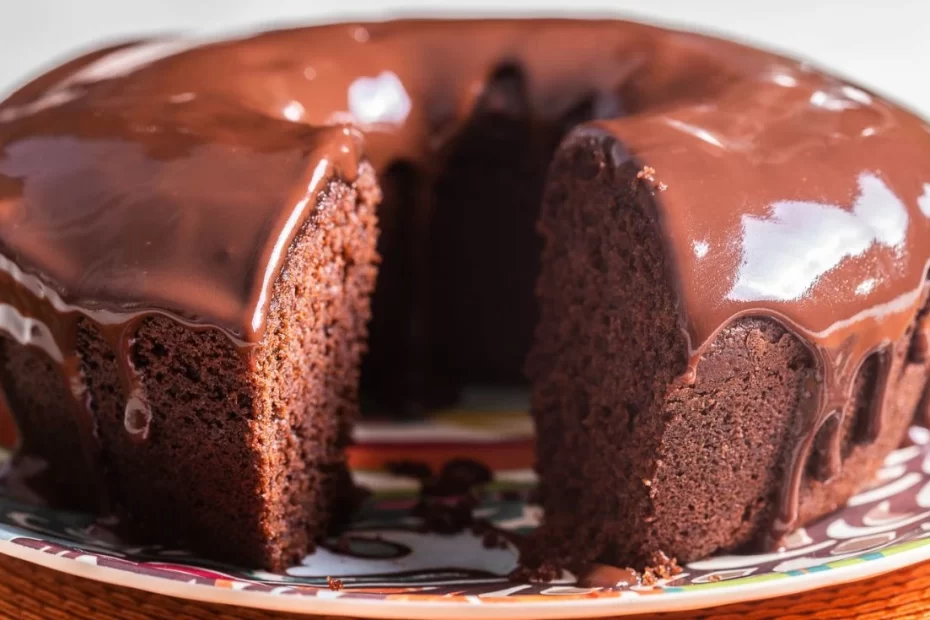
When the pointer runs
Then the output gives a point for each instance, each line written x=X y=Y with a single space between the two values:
x=333 y=605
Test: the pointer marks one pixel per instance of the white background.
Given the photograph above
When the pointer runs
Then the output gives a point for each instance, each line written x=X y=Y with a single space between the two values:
x=882 y=44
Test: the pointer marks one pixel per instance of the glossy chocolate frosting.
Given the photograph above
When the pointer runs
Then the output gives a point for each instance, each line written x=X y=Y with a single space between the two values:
x=170 y=176
x=814 y=210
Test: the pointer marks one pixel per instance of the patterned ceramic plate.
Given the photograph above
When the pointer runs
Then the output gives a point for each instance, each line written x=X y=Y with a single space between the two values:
x=389 y=568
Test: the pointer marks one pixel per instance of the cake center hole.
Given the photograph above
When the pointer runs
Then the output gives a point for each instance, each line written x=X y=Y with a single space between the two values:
x=455 y=302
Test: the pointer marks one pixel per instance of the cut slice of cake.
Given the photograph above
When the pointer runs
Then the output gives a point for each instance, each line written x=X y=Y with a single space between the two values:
x=226 y=440
x=679 y=407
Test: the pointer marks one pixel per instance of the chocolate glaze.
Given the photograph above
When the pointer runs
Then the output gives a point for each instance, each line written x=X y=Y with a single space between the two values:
x=170 y=177
x=606 y=576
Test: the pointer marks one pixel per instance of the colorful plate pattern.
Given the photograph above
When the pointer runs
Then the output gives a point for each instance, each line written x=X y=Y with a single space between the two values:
x=390 y=569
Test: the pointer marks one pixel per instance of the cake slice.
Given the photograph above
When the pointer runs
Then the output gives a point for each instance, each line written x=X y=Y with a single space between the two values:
x=683 y=401
x=210 y=425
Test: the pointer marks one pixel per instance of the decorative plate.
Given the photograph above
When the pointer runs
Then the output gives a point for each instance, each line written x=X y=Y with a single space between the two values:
x=389 y=568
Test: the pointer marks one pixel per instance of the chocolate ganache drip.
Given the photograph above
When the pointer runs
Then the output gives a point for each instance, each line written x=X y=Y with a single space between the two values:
x=170 y=177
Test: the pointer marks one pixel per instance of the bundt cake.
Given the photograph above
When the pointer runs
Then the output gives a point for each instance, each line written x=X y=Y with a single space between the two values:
x=710 y=260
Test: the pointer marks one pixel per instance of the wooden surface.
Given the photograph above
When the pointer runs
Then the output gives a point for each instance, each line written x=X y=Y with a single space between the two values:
x=30 y=592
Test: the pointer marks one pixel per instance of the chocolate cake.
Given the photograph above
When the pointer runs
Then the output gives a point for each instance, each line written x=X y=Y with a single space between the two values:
x=723 y=309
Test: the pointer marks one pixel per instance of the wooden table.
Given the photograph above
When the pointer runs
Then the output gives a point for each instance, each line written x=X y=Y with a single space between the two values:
x=30 y=592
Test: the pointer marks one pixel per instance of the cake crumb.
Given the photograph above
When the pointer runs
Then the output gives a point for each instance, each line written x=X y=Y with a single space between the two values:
x=648 y=174
x=334 y=584
x=649 y=578
x=662 y=566
x=544 y=573
x=647 y=482
x=715 y=578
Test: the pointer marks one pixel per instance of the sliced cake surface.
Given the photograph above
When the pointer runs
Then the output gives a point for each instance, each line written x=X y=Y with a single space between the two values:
x=708 y=375
x=714 y=256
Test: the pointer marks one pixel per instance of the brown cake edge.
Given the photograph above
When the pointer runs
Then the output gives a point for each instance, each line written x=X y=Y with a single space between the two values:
x=319 y=320
x=244 y=456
